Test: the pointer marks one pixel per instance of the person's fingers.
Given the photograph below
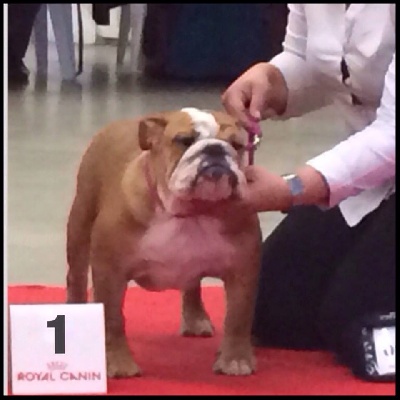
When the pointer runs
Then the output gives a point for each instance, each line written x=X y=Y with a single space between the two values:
x=235 y=102
x=250 y=173
x=268 y=113
x=257 y=102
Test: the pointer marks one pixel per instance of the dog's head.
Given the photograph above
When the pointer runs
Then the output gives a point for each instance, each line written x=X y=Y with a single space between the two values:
x=196 y=155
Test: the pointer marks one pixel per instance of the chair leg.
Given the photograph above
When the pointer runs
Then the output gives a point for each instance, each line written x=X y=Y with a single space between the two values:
x=41 y=41
x=138 y=15
x=61 y=18
x=124 y=29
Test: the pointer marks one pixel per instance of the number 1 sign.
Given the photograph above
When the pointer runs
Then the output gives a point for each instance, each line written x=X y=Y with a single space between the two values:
x=58 y=349
x=59 y=339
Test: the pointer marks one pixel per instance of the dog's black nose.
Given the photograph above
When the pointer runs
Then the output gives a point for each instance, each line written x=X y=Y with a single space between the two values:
x=214 y=150
x=215 y=172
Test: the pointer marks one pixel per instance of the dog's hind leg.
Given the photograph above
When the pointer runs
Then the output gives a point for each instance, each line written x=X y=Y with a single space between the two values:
x=195 y=320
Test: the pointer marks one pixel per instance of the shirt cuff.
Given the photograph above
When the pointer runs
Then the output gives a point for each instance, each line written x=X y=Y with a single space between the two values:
x=293 y=68
x=338 y=191
x=299 y=78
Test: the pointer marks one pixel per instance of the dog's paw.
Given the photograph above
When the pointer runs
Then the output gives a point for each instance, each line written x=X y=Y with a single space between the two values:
x=121 y=365
x=200 y=326
x=235 y=365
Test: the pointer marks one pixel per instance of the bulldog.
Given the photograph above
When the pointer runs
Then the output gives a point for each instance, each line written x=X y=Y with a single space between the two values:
x=156 y=203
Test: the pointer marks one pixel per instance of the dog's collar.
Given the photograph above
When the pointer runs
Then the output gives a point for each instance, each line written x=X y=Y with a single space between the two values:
x=254 y=134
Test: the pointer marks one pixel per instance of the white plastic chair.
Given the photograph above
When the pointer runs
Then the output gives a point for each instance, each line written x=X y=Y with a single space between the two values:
x=61 y=18
x=132 y=21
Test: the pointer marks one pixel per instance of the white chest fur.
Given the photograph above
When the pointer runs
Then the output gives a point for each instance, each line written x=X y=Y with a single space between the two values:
x=176 y=252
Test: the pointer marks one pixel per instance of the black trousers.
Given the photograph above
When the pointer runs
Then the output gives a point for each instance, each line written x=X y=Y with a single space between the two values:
x=21 y=18
x=318 y=275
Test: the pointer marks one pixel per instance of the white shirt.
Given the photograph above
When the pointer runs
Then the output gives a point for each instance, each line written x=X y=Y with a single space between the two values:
x=360 y=171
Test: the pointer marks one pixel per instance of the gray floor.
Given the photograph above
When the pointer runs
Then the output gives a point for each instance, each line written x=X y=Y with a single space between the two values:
x=50 y=124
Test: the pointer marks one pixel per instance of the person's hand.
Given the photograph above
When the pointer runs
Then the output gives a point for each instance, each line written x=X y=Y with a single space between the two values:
x=259 y=93
x=266 y=191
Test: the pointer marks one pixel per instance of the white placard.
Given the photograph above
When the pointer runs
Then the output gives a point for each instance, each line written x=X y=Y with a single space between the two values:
x=385 y=349
x=58 y=349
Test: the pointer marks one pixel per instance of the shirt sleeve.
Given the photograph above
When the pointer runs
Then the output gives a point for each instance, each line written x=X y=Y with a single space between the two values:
x=293 y=66
x=366 y=159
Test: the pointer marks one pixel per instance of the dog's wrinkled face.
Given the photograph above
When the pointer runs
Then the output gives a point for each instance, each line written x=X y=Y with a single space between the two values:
x=199 y=154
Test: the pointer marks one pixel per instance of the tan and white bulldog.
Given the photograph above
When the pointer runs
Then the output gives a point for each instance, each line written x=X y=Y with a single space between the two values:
x=155 y=203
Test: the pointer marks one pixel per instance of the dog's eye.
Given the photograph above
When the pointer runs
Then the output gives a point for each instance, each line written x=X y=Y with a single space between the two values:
x=237 y=146
x=186 y=141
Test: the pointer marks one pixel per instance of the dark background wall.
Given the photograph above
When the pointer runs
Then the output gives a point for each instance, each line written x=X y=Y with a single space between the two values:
x=211 y=41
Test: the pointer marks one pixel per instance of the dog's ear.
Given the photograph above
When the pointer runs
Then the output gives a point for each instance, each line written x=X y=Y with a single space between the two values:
x=150 y=128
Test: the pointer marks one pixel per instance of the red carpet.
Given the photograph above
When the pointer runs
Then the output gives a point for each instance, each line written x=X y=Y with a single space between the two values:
x=175 y=365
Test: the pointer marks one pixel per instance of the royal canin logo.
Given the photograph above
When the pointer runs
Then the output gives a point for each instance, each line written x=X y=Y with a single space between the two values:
x=57 y=371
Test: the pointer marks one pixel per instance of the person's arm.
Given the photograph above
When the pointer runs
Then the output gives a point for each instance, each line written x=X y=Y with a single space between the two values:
x=366 y=159
x=291 y=62
x=363 y=161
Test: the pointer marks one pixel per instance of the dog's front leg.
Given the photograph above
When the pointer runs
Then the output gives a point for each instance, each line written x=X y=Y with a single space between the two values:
x=109 y=288
x=235 y=356
x=195 y=320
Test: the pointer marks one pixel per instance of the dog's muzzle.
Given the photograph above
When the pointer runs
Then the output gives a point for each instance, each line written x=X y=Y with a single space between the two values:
x=214 y=165
x=208 y=170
